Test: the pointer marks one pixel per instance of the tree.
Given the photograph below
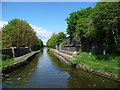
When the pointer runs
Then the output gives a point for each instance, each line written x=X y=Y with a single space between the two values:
x=106 y=20
x=56 y=39
x=18 y=33
x=77 y=25
x=98 y=24
x=72 y=22
x=52 y=41
x=60 y=37
x=38 y=45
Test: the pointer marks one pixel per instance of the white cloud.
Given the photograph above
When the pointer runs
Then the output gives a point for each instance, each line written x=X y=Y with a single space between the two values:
x=2 y=23
x=42 y=33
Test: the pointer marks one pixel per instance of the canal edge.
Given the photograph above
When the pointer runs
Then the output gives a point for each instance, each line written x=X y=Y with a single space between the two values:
x=63 y=57
x=19 y=64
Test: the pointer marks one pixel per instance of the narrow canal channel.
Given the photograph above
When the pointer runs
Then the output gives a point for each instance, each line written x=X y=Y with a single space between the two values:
x=47 y=71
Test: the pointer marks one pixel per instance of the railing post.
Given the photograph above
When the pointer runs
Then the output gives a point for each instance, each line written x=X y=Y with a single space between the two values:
x=13 y=51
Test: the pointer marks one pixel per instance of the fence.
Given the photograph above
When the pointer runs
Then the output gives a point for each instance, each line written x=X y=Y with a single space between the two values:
x=17 y=51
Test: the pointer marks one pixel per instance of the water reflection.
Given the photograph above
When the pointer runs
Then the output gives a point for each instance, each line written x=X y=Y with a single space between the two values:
x=47 y=71
x=83 y=79
x=21 y=76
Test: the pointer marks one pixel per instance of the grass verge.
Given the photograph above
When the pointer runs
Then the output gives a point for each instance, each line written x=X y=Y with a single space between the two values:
x=9 y=62
x=107 y=63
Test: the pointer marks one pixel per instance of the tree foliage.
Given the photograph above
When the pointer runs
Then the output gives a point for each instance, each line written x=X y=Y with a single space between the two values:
x=56 y=39
x=18 y=33
x=99 y=23
x=37 y=45
x=106 y=19
x=60 y=38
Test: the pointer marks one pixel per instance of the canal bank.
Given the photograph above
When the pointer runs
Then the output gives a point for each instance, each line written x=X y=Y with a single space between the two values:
x=62 y=56
x=47 y=71
x=19 y=62
x=68 y=58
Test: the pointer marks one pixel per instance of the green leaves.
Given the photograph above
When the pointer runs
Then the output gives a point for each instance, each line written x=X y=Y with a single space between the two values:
x=56 y=39
x=18 y=33
x=38 y=45
x=96 y=24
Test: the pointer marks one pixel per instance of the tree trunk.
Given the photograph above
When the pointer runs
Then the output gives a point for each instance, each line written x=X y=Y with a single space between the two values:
x=115 y=39
x=80 y=45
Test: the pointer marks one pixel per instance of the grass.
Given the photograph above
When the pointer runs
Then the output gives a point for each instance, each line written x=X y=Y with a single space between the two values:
x=108 y=63
x=9 y=62
x=111 y=60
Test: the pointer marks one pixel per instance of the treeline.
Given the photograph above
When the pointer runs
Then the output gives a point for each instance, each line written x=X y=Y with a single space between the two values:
x=18 y=33
x=56 y=40
x=99 y=24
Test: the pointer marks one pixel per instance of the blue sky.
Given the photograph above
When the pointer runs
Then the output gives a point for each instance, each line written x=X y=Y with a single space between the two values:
x=47 y=16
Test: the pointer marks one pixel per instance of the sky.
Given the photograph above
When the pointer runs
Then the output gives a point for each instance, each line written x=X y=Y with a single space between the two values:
x=45 y=17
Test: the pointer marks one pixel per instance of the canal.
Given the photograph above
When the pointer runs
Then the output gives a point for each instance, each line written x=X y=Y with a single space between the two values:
x=47 y=71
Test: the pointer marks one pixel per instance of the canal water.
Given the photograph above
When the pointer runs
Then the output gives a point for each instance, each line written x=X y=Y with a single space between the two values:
x=47 y=71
